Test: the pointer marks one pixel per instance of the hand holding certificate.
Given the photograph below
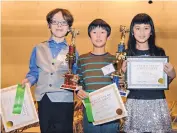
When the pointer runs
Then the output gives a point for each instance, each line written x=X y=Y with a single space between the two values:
x=106 y=105
x=146 y=72
x=10 y=105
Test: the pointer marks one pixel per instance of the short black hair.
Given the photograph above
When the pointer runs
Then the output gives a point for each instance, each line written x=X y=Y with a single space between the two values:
x=99 y=23
x=68 y=17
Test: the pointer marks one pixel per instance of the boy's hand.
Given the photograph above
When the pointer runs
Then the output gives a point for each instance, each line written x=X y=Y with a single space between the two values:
x=82 y=94
x=24 y=82
x=169 y=70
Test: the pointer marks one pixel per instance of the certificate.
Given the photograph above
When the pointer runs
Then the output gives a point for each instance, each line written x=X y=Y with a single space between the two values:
x=15 y=121
x=107 y=105
x=147 y=72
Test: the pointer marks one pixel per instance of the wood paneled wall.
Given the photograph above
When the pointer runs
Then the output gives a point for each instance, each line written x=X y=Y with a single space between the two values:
x=23 y=25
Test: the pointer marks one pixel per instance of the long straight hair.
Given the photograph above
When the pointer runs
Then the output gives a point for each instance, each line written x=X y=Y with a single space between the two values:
x=142 y=18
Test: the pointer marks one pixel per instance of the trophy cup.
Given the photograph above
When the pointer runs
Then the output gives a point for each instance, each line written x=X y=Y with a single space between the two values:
x=120 y=57
x=70 y=80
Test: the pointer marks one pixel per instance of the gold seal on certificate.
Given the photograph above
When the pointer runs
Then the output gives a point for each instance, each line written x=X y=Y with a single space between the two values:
x=119 y=111
x=9 y=124
x=161 y=81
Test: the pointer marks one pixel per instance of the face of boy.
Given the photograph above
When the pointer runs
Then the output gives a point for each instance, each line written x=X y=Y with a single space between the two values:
x=98 y=37
x=142 y=32
x=59 y=27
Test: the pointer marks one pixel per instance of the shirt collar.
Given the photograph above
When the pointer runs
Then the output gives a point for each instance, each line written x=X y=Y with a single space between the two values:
x=53 y=43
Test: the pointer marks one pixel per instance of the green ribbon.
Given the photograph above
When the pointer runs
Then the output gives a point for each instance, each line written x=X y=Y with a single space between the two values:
x=88 y=109
x=19 y=99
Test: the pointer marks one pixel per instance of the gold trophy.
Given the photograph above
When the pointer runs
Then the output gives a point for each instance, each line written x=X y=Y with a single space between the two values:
x=70 y=80
x=120 y=58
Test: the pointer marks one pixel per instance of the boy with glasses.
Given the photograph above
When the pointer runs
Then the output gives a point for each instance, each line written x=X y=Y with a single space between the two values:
x=47 y=67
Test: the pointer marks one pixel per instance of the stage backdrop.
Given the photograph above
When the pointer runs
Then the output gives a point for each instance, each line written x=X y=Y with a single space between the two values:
x=23 y=25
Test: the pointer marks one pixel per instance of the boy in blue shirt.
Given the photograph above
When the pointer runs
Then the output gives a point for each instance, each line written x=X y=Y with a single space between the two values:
x=47 y=67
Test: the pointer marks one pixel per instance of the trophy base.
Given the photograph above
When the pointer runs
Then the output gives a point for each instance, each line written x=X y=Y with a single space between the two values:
x=68 y=87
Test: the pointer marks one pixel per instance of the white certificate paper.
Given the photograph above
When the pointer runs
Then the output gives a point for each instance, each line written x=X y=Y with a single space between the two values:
x=146 y=73
x=28 y=115
x=105 y=103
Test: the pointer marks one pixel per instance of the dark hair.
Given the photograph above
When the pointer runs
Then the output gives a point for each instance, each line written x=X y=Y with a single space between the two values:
x=66 y=15
x=142 y=18
x=99 y=23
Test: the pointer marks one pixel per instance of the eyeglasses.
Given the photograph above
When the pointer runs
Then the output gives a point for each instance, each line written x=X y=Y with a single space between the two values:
x=55 y=22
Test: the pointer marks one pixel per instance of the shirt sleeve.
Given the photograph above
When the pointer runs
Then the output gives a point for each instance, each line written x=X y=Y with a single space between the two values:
x=33 y=73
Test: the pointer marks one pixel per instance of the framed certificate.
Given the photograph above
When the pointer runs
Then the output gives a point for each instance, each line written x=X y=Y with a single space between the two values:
x=107 y=104
x=15 y=121
x=146 y=72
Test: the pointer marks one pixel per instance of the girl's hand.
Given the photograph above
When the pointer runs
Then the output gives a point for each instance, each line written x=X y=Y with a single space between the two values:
x=124 y=66
x=169 y=70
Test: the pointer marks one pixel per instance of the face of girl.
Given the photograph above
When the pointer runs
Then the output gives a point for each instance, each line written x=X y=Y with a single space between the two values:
x=142 y=32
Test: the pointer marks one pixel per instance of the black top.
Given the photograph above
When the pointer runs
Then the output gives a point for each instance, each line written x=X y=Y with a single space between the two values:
x=146 y=94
